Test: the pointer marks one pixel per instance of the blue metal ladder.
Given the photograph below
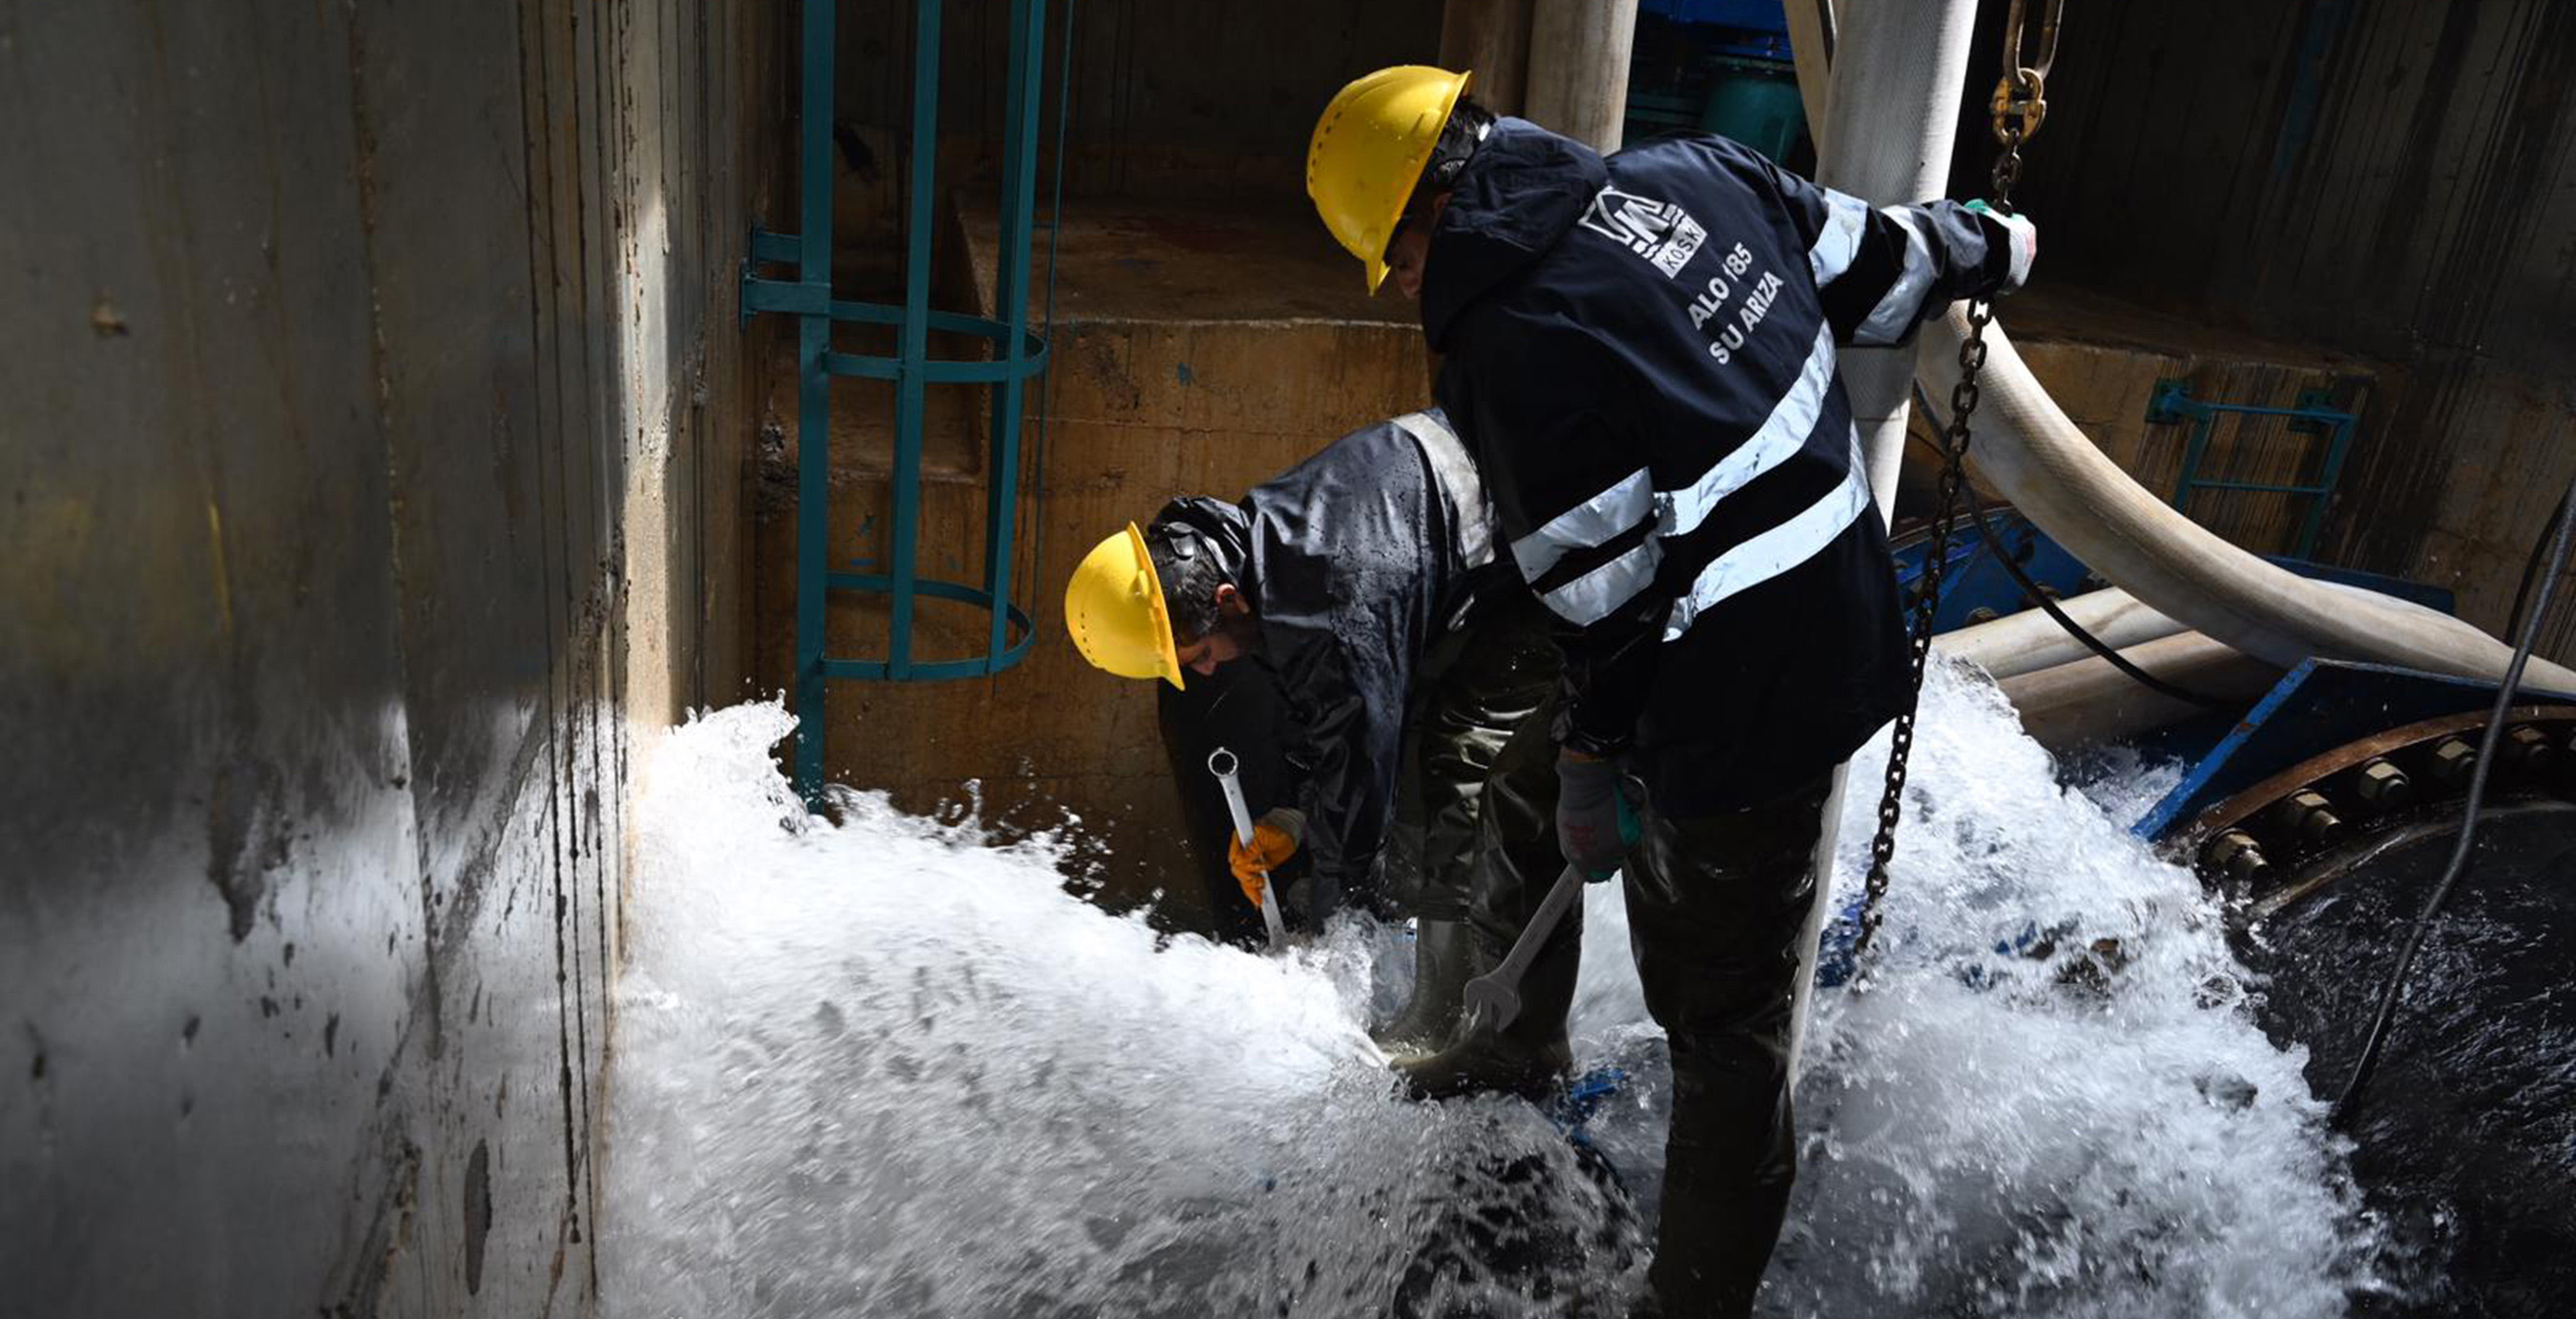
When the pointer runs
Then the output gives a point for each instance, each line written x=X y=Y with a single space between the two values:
x=2172 y=403
x=1019 y=355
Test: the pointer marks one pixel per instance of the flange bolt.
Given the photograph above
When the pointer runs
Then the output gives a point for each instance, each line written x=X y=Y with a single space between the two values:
x=2383 y=787
x=2528 y=749
x=2452 y=761
x=2236 y=856
x=2307 y=814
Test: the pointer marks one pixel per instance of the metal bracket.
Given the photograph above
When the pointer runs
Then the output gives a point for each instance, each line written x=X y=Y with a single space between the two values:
x=753 y=296
x=2171 y=403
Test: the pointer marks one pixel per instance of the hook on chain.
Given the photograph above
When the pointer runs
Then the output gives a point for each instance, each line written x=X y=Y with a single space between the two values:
x=2021 y=94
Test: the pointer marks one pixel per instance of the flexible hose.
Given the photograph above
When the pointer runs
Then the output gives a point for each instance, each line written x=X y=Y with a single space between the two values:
x=2349 y=1102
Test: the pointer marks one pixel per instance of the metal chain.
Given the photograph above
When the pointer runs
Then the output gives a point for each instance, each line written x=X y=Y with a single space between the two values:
x=2010 y=130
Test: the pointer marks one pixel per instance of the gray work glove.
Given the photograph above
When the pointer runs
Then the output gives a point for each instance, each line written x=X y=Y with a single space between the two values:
x=1594 y=825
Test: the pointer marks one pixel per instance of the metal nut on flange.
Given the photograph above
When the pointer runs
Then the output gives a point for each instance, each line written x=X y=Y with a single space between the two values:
x=2452 y=761
x=2382 y=786
x=2236 y=856
x=2307 y=814
x=2527 y=748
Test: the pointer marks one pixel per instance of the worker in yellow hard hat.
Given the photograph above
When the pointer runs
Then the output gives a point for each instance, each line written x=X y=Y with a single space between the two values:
x=1639 y=351
x=1365 y=585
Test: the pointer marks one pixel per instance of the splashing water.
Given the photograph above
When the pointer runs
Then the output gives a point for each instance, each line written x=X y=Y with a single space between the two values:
x=890 y=1067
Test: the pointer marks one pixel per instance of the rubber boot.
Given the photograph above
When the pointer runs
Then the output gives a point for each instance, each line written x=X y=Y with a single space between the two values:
x=1530 y=1056
x=1444 y=959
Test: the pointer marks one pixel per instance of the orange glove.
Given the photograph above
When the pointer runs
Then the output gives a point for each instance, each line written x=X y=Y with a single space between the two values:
x=1274 y=839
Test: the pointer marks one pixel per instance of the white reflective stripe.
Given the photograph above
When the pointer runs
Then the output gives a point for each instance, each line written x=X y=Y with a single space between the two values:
x=1589 y=598
x=1587 y=524
x=2025 y=246
x=1845 y=216
x=1776 y=551
x=1781 y=435
x=1455 y=473
x=1894 y=315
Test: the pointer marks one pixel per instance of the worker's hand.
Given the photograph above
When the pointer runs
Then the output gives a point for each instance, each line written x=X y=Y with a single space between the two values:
x=1274 y=839
x=2025 y=241
x=1594 y=827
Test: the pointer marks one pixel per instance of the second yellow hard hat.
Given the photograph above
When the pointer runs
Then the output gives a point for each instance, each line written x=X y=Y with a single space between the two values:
x=1368 y=150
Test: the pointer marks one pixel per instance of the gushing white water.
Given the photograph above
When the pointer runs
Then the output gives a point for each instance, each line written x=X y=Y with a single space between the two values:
x=887 y=1068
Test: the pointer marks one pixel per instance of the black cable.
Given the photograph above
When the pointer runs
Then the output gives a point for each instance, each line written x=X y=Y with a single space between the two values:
x=2531 y=568
x=2031 y=591
x=2347 y=1103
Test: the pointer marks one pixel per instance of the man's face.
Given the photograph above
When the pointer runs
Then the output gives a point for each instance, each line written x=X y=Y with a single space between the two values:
x=1230 y=642
x=1206 y=654
x=1411 y=246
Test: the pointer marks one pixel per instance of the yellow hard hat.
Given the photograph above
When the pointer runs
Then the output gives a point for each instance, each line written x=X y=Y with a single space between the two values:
x=1368 y=150
x=1114 y=608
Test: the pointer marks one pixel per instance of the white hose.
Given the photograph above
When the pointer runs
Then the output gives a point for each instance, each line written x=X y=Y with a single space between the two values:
x=2030 y=640
x=1897 y=64
x=2087 y=700
x=1904 y=59
x=1882 y=129
x=2027 y=450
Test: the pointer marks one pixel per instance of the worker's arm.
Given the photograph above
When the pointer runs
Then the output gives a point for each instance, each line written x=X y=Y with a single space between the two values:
x=1880 y=271
x=1341 y=746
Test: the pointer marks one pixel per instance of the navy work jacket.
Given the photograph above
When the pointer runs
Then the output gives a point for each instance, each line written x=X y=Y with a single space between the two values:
x=1639 y=353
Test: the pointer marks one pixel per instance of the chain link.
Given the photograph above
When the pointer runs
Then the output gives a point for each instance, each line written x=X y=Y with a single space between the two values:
x=1927 y=597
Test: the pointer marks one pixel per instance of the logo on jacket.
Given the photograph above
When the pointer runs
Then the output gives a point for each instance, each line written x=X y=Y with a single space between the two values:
x=1661 y=232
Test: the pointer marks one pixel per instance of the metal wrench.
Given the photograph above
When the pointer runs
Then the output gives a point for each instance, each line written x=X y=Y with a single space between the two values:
x=1222 y=763
x=1494 y=998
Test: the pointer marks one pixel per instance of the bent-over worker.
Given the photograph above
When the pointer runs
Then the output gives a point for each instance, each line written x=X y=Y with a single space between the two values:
x=1366 y=580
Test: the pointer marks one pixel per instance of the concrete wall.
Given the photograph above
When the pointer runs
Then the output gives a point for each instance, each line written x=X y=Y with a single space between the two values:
x=364 y=371
x=2379 y=176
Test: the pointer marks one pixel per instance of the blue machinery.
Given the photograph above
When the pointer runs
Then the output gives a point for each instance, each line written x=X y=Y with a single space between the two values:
x=2172 y=402
x=1017 y=356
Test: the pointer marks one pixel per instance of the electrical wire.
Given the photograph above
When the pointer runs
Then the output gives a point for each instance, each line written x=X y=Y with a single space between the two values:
x=2348 y=1103
x=2531 y=568
x=2031 y=591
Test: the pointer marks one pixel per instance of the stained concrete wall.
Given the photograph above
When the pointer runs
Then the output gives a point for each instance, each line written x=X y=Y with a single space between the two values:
x=2377 y=176
x=362 y=387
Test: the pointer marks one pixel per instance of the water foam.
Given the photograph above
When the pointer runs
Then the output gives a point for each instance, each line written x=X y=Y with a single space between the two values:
x=892 y=1067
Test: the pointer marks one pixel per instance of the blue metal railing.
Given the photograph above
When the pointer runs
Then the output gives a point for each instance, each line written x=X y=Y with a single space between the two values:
x=2172 y=403
x=1018 y=354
